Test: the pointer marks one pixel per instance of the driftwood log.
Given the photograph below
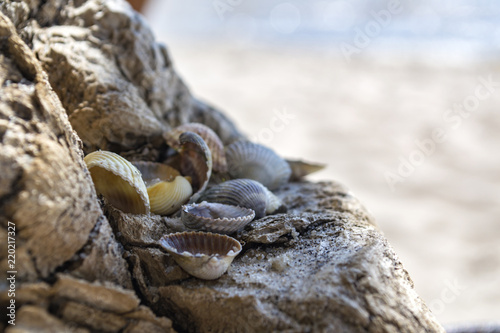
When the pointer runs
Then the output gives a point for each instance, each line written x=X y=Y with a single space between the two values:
x=77 y=76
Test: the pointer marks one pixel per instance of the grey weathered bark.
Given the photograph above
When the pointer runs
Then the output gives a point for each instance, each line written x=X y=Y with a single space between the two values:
x=78 y=76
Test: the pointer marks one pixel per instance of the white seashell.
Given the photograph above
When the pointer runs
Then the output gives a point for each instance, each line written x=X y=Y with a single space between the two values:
x=203 y=255
x=273 y=203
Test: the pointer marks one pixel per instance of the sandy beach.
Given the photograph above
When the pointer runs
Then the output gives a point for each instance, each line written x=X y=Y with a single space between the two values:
x=415 y=138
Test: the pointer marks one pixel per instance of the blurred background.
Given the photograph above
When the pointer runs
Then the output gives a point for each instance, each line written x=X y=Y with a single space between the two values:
x=400 y=99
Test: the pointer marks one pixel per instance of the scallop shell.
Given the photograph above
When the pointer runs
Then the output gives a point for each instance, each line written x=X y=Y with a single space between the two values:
x=246 y=193
x=300 y=169
x=196 y=160
x=250 y=160
x=203 y=255
x=216 y=217
x=208 y=135
x=118 y=181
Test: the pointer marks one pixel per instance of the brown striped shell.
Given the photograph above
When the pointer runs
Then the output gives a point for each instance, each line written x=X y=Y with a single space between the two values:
x=196 y=160
x=202 y=254
x=216 y=217
x=246 y=193
x=254 y=161
x=118 y=181
x=208 y=135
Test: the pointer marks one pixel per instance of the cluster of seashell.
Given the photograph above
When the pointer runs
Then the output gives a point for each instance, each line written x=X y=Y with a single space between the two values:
x=242 y=176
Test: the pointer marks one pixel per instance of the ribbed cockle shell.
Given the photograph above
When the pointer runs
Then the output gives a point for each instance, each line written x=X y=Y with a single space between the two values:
x=300 y=169
x=216 y=217
x=202 y=254
x=118 y=181
x=167 y=189
x=208 y=135
x=196 y=160
x=245 y=193
x=168 y=197
x=254 y=161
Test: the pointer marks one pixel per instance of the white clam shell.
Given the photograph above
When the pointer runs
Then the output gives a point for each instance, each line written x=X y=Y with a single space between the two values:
x=216 y=217
x=254 y=161
x=202 y=254
x=118 y=181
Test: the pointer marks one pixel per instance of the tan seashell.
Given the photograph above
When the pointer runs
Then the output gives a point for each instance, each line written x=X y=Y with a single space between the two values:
x=167 y=189
x=118 y=181
x=216 y=217
x=300 y=169
x=208 y=135
x=196 y=160
x=250 y=160
x=202 y=254
x=246 y=193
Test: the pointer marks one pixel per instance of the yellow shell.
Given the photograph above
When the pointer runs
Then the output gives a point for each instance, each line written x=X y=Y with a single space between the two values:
x=118 y=181
x=168 y=197
x=202 y=254
x=167 y=189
